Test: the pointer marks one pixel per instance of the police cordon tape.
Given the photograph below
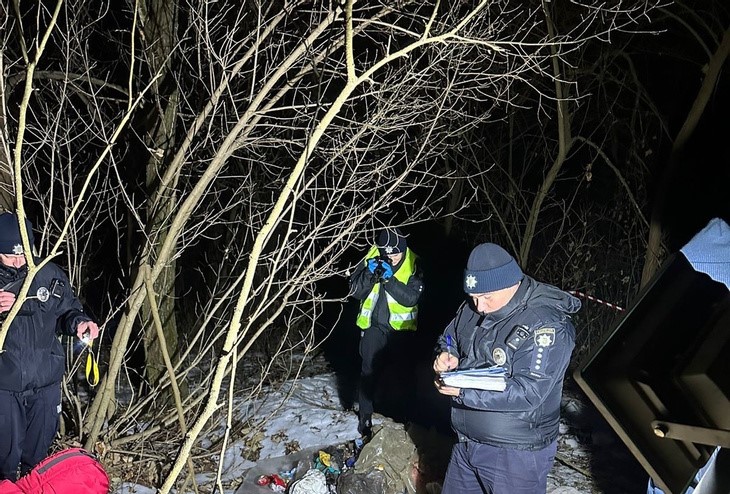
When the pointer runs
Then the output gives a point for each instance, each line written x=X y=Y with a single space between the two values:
x=597 y=300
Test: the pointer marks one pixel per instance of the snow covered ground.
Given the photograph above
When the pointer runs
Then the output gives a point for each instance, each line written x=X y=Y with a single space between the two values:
x=307 y=414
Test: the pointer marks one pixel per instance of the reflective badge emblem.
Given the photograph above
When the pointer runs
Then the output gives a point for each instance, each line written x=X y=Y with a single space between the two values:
x=389 y=250
x=544 y=337
x=499 y=356
x=43 y=294
x=471 y=281
x=17 y=249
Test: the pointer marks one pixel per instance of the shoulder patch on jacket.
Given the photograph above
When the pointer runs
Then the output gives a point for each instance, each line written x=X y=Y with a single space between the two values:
x=544 y=337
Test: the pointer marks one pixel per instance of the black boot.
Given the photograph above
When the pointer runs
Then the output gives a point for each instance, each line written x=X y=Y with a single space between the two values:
x=365 y=426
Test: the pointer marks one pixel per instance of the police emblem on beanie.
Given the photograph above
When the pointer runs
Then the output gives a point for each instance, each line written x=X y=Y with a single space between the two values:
x=10 y=241
x=490 y=268
x=391 y=241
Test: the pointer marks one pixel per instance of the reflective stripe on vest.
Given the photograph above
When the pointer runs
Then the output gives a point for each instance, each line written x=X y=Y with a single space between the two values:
x=402 y=318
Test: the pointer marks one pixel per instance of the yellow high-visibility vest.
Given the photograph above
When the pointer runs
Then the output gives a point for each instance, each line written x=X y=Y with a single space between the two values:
x=402 y=318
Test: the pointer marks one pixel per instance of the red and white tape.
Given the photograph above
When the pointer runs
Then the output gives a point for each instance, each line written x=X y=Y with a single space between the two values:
x=597 y=300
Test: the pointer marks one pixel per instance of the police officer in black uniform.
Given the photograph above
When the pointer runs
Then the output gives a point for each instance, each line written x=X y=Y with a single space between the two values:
x=32 y=360
x=507 y=439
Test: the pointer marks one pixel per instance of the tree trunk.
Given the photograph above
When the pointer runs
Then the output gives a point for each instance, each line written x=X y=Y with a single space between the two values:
x=165 y=285
x=7 y=196
x=654 y=249
x=159 y=21
x=564 y=145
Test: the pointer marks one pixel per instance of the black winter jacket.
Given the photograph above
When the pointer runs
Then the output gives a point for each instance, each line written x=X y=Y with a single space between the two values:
x=526 y=414
x=33 y=356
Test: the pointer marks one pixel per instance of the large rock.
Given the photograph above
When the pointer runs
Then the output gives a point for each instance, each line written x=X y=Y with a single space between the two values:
x=387 y=464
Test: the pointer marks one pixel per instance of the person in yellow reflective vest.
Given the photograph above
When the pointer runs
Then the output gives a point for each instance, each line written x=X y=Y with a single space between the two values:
x=388 y=284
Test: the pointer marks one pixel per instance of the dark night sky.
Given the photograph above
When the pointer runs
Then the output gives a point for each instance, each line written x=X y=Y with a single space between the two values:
x=670 y=66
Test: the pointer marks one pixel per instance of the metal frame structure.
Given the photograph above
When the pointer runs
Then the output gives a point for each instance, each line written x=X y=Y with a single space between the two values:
x=661 y=378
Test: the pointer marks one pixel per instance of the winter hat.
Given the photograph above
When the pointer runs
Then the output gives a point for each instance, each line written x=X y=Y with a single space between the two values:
x=391 y=241
x=10 y=241
x=490 y=268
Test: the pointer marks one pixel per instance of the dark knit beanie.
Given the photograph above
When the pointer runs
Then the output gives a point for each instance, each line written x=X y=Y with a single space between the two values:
x=391 y=241
x=490 y=268
x=10 y=242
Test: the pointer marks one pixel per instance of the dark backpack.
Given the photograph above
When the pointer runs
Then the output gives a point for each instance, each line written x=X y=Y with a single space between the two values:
x=71 y=471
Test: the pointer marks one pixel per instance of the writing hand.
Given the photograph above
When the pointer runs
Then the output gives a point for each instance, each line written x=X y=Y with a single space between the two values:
x=445 y=362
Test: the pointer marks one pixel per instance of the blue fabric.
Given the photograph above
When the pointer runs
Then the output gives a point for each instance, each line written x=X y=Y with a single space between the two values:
x=709 y=251
x=483 y=469
x=653 y=489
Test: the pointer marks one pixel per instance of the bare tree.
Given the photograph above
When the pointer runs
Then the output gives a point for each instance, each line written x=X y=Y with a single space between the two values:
x=240 y=150
x=656 y=251
x=568 y=168
x=158 y=35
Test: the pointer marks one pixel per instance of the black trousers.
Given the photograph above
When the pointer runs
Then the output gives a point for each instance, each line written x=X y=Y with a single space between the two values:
x=387 y=371
x=28 y=423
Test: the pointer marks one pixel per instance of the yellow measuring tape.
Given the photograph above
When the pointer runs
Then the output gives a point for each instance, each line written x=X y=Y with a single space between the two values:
x=92 y=368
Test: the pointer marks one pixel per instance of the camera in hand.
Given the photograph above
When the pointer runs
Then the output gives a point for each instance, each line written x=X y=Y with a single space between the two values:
x=380 y=267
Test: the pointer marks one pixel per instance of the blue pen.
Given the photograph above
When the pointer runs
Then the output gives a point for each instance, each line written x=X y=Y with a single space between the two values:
x=448 y=344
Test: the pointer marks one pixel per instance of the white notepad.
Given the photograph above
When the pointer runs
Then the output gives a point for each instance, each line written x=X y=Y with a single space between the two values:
x=486 y=378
